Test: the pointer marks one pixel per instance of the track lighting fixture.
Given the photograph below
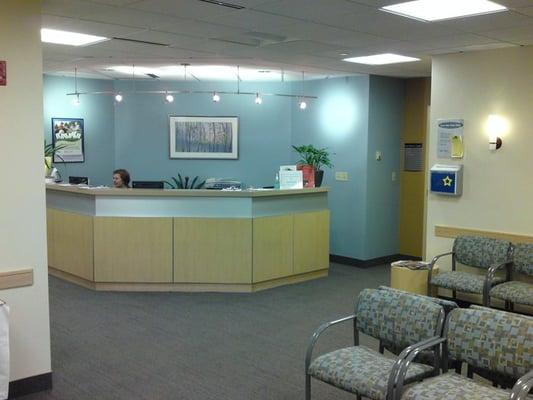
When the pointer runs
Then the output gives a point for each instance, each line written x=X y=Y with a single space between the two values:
x=76 y=100
x=169 y=94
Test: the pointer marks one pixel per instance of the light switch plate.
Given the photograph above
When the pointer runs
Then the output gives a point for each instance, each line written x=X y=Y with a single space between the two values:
x=341 y=176
x=379 y=156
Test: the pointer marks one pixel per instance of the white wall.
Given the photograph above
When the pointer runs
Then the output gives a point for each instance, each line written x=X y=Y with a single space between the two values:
x=498 y=186
x=22 y=197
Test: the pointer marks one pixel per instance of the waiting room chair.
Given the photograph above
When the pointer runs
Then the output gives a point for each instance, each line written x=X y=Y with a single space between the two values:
x=426 y=357
x=472 y=251
x=490 y=340
x=513 y=291
x=386 y=315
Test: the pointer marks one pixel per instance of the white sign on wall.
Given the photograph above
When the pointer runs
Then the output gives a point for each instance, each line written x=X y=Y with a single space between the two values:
x=447 y=130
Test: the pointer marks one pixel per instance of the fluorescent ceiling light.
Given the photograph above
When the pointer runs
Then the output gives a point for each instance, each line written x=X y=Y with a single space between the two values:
x=69 y=38
x=381 y=59
x=435 y=10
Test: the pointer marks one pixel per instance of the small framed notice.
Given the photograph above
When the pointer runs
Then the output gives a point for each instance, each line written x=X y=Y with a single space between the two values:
x=413 y=157
x=3 y=73
x=291 y=180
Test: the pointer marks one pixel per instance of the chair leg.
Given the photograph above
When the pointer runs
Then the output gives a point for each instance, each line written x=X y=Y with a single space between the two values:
x=359 y=397
x=307 y=387
x=469 y=372
x=454 y=294
x=511 y=306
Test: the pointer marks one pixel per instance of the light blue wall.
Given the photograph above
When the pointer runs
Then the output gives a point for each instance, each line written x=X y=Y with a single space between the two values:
x=142 y=131
x=353 y=117
x=338 y=120
x=98 y=117
x=385 y=124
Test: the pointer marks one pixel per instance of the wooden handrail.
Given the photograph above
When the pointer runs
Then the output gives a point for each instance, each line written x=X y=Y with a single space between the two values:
x=453 y=232
x=16 y=278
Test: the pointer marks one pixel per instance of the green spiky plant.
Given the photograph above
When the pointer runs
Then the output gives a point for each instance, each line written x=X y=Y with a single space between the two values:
x=49 y=152
x=185 y=183
x=312 y=156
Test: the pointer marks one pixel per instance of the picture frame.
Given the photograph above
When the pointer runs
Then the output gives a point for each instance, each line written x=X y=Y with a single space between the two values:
x=68 y=135
x=204 y=137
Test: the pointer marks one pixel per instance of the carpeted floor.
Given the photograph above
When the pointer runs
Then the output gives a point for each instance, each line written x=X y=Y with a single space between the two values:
x=205 y=346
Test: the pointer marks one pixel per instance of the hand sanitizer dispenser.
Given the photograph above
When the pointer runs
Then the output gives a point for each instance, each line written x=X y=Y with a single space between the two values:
x=446 y=179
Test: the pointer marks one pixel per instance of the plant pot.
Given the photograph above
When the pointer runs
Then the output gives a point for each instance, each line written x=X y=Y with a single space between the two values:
x=47 y=166
x=319 y=175
x=308 y=173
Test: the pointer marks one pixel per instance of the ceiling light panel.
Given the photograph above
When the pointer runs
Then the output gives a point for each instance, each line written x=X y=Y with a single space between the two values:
x=69 y=38
x=436 y=10
x=381 y=59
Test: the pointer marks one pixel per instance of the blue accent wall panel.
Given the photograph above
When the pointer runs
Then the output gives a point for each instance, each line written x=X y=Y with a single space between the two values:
x=338 y=120
x=98 y=117
x=142 y=132
x=385 y=125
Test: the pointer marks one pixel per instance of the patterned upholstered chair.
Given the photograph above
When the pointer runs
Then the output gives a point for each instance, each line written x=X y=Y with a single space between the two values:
x=473 y=251
x=487 y=339
x=390 y=316
x=426 y=357
x=515 y=291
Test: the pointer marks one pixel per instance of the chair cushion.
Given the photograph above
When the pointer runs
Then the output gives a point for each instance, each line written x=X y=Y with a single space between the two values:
x=359 y=370
x=523 y=258
x=451 y=386
x=514 y=291
x=480 y=252
x=397 y=317
x=462 y=281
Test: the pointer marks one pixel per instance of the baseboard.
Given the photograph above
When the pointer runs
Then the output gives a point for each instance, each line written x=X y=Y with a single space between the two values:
x=33 y=384
x=355 y=262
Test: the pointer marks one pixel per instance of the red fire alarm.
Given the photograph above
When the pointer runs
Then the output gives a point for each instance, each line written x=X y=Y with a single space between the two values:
x=3 y=73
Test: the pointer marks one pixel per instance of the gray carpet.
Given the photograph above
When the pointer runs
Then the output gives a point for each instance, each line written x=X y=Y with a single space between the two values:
x=207 y=346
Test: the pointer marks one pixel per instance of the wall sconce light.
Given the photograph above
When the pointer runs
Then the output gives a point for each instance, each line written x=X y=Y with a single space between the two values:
x=496 y=126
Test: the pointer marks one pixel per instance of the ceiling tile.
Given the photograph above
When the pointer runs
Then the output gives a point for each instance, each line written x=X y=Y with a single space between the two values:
x=519 y=36
x=483 y=23
x=183 y=8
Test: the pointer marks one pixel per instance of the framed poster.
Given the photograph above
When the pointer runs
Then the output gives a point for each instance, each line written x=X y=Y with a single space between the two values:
x=68 y=135
x=204 y=137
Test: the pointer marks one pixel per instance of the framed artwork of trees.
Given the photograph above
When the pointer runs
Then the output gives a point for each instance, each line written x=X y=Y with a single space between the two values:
x=204 y=137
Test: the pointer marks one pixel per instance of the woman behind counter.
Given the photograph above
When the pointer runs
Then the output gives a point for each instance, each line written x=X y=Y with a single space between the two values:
x=121 y=179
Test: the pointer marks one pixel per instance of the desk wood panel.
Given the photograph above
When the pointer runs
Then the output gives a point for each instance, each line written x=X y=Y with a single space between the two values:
x=311 y=241
x=272 y=247
x=70 y=243
x=132 y=249
x=213 y=250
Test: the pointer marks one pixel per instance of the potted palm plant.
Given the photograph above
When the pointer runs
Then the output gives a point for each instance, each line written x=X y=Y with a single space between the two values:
x=49 y=151
x=314 y=158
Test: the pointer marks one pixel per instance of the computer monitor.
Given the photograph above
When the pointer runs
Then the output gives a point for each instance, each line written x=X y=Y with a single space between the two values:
x=78 y=180
x=148 y=184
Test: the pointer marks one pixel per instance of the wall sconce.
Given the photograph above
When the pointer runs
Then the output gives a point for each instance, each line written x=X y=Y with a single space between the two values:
x=496 y=126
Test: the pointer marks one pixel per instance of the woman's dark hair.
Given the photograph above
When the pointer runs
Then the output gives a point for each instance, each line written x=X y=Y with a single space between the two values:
x=124 y=175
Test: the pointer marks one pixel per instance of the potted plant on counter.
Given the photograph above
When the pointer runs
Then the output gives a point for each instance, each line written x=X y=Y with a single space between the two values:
x=314 y=158
x=49 y=151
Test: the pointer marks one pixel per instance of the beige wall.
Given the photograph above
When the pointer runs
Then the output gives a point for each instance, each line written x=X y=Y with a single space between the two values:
x=22 y=199
x=498 y=186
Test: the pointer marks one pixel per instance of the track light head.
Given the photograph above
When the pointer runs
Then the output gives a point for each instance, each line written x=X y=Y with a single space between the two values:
x=118 y=98
x=216 y=97
x=303 y=105
x=76 y=100
x=169 y=98
x=258 y=99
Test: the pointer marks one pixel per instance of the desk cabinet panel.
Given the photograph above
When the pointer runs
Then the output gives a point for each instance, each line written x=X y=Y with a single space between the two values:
x=311 y=241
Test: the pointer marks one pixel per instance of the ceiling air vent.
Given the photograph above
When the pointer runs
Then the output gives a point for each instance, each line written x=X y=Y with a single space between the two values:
x=223 y=4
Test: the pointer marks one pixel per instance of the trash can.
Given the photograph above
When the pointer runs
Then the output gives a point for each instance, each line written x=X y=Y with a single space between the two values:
x=411 y=276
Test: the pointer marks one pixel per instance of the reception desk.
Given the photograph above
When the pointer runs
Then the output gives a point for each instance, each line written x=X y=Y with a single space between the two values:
x=186 y=240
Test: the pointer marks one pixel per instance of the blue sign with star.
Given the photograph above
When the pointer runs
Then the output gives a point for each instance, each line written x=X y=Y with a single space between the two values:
x=443 y=182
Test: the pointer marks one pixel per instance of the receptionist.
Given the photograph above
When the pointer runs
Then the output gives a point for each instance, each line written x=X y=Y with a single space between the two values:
x=121 y=179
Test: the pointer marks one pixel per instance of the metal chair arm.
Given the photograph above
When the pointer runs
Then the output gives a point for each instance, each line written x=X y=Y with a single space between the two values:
x=316 y=334
x=430 y=268
x=399 y=369
x=489 y=277
x=522 y=387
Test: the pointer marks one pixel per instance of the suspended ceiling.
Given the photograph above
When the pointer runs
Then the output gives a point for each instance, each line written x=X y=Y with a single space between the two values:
x=291 y=35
